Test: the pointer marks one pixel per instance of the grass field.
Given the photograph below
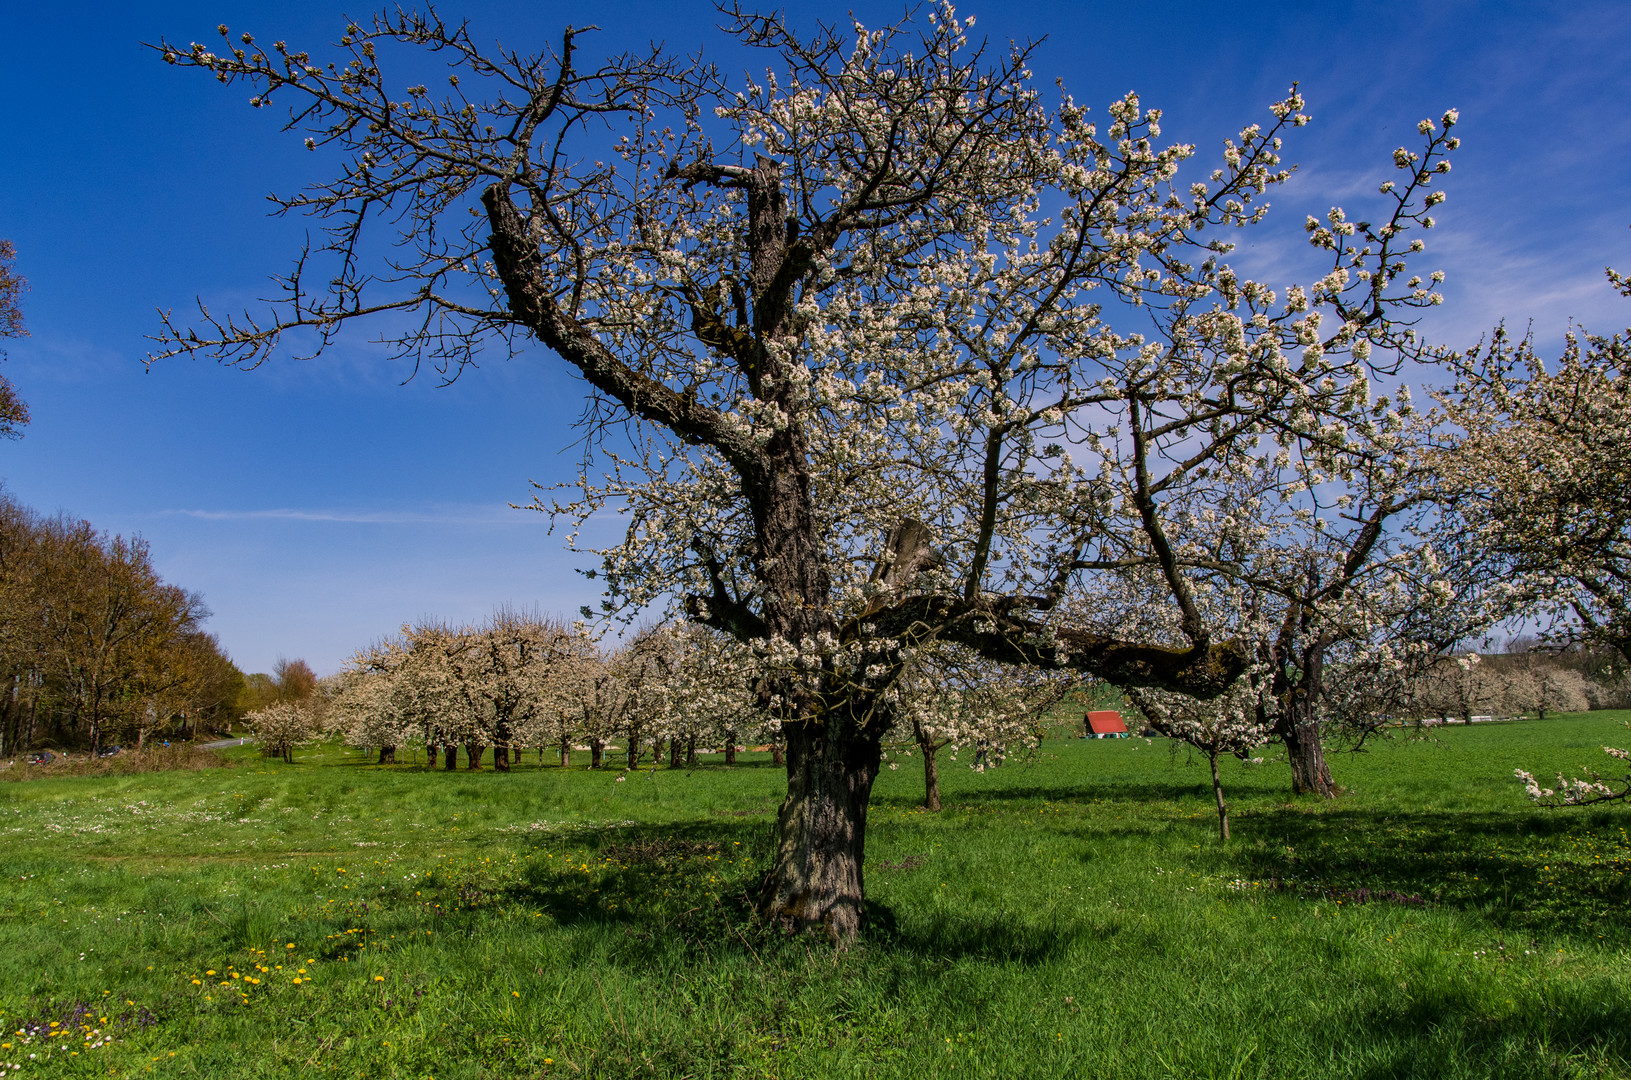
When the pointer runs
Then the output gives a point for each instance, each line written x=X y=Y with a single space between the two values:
x=1075 y=916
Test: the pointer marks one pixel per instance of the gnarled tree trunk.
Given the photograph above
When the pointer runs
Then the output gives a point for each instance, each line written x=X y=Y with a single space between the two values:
x=817 y=879
x=1299 y=728
x=1309 y=773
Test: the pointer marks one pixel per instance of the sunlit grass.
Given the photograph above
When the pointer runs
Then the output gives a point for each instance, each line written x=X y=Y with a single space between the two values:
x=1074 y=916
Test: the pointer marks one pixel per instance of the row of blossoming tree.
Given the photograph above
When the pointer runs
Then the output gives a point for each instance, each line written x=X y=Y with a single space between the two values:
x=893 y=355
x=523 y=681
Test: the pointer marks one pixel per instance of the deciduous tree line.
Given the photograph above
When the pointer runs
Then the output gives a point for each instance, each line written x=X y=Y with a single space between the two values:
x=96 y=648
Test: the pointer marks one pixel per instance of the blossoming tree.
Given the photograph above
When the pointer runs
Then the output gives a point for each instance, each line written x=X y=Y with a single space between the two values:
x=949 y=697
x=284 y=725
x=507 y=683
x=905 y=354
x=1538 y=478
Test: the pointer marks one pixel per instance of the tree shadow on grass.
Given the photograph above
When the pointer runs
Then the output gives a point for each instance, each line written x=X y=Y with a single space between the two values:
x=1548 y=874
x=947 y=935
x=692 y=888
x=1445 y=1028
x=1078 y=794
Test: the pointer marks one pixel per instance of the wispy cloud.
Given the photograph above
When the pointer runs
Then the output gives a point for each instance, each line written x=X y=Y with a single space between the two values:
x=481 y=515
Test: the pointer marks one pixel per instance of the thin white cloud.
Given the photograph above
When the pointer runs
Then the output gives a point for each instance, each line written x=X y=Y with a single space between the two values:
x=484 y=515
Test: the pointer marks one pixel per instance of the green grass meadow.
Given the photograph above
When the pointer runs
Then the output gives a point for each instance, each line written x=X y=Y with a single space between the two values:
x=1070 y=916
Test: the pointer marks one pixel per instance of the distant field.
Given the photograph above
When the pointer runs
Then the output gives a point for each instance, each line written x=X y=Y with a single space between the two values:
x=1074 y=916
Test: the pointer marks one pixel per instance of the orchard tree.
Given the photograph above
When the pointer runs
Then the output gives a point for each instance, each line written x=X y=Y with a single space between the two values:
x=554 y=717
x=516 y=656
x=644 y=666
x=952 y=698
x=1538 y=478
x=363 y=707
x=1230 y=724
x=712 y=695
x=1460 y=686
x=897 y=351
x=1545 y=688
x=284 y=725
x=1327 y=557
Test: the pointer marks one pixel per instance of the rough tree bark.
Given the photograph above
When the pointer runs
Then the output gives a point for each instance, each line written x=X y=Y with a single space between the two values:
x=1310 y=775
x=817 y=878
x=1298 y=729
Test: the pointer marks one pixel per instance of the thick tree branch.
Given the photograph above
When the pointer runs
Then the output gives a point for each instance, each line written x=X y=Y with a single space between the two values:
x=520 y=268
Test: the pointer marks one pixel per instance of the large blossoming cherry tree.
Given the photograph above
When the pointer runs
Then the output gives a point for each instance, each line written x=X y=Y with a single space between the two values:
x=884 y=347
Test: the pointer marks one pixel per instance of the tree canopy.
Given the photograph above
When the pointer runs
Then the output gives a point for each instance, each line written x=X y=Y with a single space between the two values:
x=884 y=349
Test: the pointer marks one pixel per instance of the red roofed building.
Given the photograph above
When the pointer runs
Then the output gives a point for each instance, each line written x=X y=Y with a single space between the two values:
x=1105 y=724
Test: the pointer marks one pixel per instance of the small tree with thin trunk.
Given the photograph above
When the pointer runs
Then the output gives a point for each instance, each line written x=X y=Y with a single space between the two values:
x=950 y=698
x=1233 y=724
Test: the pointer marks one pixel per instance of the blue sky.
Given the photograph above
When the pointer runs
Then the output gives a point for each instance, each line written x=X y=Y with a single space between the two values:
x=319 y=504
